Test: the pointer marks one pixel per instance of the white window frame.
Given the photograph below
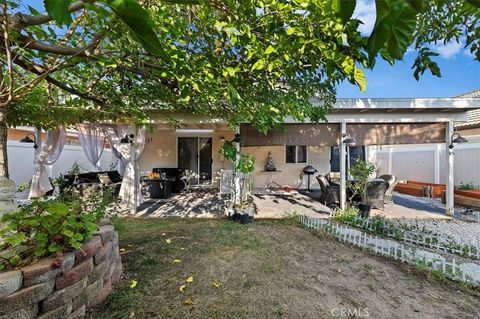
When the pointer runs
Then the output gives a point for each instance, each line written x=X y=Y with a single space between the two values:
x=296 y=153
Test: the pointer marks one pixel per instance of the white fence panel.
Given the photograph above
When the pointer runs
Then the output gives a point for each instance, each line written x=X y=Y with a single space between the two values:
x=20 y=161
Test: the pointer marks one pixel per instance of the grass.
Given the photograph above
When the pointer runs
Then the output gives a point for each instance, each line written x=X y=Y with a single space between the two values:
x=270 y=269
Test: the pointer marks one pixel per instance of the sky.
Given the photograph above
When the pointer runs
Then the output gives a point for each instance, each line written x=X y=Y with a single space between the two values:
x=460 y=73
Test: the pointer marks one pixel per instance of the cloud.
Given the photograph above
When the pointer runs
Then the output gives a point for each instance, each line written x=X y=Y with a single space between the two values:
x=449 y=49
x=365 y=12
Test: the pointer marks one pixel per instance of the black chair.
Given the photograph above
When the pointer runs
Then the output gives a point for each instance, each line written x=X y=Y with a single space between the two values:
x=375 y=192
x=330 y=193
x=392 y=182
x=174 y=174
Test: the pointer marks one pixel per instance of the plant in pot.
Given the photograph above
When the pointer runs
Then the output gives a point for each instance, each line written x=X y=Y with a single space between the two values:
x=243 y=164
x=360 y=172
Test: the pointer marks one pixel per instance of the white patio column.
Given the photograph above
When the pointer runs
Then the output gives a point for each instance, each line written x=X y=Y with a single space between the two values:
x=343 y=167
x=236 y=173
x=449 y=196
x=136 y=180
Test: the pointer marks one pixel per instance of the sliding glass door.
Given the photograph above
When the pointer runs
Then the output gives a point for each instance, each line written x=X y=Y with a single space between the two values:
x=195 y=156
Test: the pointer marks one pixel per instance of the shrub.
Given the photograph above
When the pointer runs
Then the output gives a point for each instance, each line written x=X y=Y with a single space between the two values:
x=51 y=227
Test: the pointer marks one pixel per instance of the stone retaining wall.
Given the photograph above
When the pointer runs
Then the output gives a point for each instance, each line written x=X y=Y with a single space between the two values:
x=83 y=279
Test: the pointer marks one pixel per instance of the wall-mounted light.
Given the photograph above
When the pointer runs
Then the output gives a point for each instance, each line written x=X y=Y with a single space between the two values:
x=237 y=138
x=222 y=139
x=27 y=139
x=128 y=139
x=348 y=140
x=458 y=139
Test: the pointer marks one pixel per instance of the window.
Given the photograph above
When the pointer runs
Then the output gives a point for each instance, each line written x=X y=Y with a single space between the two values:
x=295 y=154
x=356 y=153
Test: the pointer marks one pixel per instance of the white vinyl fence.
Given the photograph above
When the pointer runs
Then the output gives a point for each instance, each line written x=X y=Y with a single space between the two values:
x=20 y=161
x=456 y=269
x=426 y=162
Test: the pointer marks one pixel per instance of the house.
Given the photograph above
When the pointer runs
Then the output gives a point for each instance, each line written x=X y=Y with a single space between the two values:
x=471 y=128
x=194 y=145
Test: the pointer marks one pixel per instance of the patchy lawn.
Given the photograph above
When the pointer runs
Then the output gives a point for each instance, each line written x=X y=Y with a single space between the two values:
x=267 y=270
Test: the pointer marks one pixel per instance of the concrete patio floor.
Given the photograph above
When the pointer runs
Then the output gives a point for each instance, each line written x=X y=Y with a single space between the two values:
x=207 y=203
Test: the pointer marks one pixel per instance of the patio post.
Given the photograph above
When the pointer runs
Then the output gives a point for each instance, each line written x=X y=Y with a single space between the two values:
x=133 y=156
x=343 y=167
x=449 y=195
x=236 y=173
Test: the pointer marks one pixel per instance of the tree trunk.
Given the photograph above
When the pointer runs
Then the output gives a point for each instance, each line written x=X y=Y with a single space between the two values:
x=3 y=144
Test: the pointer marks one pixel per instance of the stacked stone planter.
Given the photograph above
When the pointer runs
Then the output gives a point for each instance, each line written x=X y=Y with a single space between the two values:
x=83 y=280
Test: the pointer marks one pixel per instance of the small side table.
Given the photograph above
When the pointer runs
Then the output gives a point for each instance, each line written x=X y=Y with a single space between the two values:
x=271 y=183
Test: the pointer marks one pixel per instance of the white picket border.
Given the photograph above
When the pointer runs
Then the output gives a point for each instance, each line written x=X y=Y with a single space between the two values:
x=457 y=270
x=468 y=249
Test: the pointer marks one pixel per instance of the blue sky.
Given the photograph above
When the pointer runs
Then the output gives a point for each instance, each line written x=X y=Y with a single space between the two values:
x=460 y=73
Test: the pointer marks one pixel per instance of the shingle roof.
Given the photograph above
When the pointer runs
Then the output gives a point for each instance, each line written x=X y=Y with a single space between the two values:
x=473 y=117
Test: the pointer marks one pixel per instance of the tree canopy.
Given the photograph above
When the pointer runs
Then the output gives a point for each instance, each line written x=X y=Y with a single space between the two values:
x=249 y=60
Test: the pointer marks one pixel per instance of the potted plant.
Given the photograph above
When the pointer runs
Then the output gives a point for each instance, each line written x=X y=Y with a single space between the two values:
x=361 y=172
x=243 y=164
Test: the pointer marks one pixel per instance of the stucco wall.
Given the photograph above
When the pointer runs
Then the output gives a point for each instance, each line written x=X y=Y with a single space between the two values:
x=161 y=150
x=289 y=173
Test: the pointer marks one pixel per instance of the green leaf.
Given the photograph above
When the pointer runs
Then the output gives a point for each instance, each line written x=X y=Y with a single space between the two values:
x=68 y=233
x=58 y=10
x=475 y=3
x=78 y=237
x=393 y=30
x=269 y=50
x=258 y=65
x=344 y=8
x=359 y=77
x=40 y=251
x=54 y=247
x=139 y=22
x=15 y=239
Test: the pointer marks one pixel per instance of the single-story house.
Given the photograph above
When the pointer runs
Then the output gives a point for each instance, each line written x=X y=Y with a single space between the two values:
x=195 y=143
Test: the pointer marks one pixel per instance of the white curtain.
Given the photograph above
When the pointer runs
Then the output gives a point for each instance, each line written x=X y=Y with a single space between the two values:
x=92 y=140
x=131 y=153
x=121 y=163
x=47 y=154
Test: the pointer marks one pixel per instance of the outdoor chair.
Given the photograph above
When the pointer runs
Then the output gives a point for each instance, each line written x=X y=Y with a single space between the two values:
x=375 y=192
x=330 y=193
x=392 y=182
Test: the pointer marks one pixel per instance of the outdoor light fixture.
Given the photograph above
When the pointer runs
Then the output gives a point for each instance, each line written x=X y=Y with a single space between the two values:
x=27 y=139
x=237 y=138
x=348 y=140
x=457 y=138
x=222 y=139
x=127 y=139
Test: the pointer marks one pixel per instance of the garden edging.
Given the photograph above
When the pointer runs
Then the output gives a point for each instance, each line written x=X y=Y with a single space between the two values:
x=83 y=279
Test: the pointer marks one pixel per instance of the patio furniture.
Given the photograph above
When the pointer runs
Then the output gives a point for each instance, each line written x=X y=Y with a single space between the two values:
x=392 y=182
x=84 y=183
x=375 y=192
x=330 y=193
x=333 y=177
x=174 y=174
x=158 y=188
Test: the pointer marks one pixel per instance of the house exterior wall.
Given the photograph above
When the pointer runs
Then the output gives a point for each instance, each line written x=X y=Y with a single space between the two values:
x=161 y=150
x=288 y=173
x=473 y=134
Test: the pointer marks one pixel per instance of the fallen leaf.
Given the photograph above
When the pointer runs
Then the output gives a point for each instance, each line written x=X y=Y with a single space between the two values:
x=163 y=234
x=182 y=248
x=177 y=261
x=182 y=288
x=132 y=314
x=168 y=241
x=122 y=250
x=190 y=279
x=129 y=245
x=133 y=284
x=215 y=285
x=188 y=302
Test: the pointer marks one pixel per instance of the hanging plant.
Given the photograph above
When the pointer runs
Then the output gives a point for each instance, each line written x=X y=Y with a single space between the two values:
x=246 y=164
x=228 y=150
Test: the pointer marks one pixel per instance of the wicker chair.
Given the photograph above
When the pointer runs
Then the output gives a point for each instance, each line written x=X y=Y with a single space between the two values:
x=392 y=182
x=376 y=190
x=330 y=192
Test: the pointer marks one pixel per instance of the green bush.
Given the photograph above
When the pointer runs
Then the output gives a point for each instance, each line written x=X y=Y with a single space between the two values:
x=51 y=227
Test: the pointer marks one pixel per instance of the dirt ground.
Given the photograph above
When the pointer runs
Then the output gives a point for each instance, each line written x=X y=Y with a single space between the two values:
x=268 y=270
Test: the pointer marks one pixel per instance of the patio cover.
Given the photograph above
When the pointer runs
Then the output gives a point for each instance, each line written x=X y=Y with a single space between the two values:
x=329 y=134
